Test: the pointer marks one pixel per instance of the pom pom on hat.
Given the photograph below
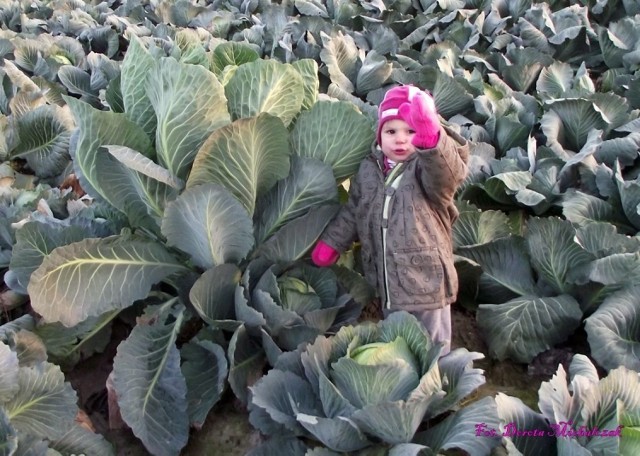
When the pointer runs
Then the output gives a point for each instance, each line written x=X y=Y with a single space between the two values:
x=389 y=108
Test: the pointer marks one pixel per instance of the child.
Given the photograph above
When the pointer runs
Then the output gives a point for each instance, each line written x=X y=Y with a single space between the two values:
x=401 y=209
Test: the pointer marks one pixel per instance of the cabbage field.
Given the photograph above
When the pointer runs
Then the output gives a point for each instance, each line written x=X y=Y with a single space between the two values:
x=166 y=166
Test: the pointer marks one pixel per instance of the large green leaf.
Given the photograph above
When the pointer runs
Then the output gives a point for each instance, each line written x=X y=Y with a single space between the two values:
x=136 y=65
x=614 y=109
x=149 y=187
x=618 y=269
x=78 y=81
x=521 y=66
x=555 y=80
x=569 y=122
x=457 y=430
x=582 y=208
x=213 y=294
x=283 y=395
x=510 y=132
x=189 y=103
x=34 y=241
x=462 y=379
x=231 y=53
x=276 y=317
x=319 y=133
x=340 y=55
x=392 y=422
x=308 y=69
x=94 y=276
x=617 y=39
x=525 y=326
x=192 y=51
x=135 y=161
x=506 y=267
x=208 y=223
x=309 y=183
x=503 y=186
x=100 y=174
x=554 y=251
x=43 y=139
x=338 y=435
x=469 y=274
x=30 y=348
x=614 y=331
x=515 y=415
x=247 y=158
x=480 y=227
x=44 y=405
x=558 y=400
x=374 y=72
x=293 y=240
x=67 y=346
x=312 y=8
x=623 y=150
x=246 y=363
x=450 y=95
x=150 y=387
x=602 y=239
x=364 y=385
x=619 y=389
x=265 y=86
x=205 y=370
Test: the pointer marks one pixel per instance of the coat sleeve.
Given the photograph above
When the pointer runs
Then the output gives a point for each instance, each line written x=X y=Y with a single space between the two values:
x=442 y=169
x=342 y=231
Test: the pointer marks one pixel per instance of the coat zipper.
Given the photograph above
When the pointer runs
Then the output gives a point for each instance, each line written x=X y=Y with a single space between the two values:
x=391 y=181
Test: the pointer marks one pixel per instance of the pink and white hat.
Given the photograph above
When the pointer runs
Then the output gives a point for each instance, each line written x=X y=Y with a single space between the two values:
x=393 y=99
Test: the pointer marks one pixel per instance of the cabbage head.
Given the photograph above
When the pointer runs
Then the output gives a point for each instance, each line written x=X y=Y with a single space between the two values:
x=372 y=385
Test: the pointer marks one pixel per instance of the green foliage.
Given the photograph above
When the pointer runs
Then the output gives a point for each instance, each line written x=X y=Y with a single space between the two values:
x=371 y=386
x=210 y=140
x=37 y=406
x=217 y=188
x=567 y=405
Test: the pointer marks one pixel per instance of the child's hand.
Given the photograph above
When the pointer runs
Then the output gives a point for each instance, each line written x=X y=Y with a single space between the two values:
x=422 y=117
x=324 y=255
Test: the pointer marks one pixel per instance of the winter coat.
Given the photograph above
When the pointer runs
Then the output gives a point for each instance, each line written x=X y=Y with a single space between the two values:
x=408 y=256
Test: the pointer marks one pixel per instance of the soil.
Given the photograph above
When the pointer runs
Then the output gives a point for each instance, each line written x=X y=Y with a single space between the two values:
x=227 y=430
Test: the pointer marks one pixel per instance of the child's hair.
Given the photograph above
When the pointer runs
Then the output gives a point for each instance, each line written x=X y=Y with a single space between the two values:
x=393 y=99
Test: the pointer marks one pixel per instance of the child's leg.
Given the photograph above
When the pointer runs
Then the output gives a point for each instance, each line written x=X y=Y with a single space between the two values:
x=438 y=324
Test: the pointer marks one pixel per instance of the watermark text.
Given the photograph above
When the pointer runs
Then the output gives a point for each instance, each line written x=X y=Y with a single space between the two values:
x=561 y=429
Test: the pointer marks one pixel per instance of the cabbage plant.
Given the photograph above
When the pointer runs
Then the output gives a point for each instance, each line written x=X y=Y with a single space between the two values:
x=272 y=308
x=208 y=175
x=534 y=281
x=580 y=413
x=374 y=385
x=38 y=408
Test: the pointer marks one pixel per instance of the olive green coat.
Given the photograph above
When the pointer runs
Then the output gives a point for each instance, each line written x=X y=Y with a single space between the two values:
x=411 y=261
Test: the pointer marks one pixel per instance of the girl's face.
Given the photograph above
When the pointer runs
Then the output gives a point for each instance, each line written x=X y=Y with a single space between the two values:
x=395 y=140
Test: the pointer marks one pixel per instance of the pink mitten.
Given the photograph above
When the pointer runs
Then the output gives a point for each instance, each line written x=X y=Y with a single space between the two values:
x=422 y=116
x=324 y=255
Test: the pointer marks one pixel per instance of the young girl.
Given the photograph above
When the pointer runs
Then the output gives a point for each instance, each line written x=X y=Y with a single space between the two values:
x=401 y=209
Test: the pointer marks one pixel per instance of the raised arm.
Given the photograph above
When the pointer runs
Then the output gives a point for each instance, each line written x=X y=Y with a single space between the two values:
x=442 y=153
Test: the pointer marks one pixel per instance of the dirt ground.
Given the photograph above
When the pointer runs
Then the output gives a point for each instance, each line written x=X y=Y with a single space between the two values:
x=227 y=431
